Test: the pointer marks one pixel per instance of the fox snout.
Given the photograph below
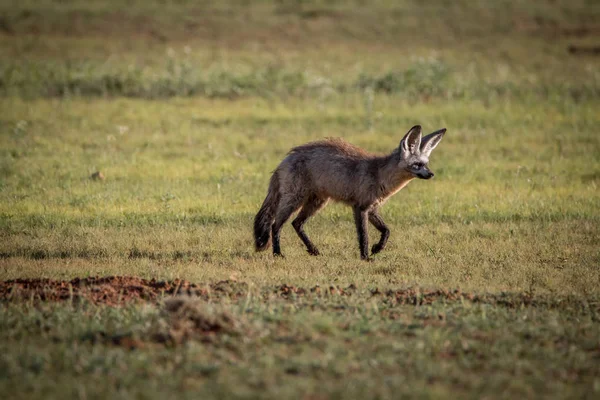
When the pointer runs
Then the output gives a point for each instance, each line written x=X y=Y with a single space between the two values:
x=426 y=175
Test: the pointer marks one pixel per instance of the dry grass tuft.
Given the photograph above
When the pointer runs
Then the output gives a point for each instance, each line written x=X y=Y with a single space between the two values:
x=190 y=318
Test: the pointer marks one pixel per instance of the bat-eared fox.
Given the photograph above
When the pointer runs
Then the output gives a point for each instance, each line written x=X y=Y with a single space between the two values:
x=312 y=174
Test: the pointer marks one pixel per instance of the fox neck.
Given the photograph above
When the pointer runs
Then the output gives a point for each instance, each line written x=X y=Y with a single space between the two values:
x=392 y=178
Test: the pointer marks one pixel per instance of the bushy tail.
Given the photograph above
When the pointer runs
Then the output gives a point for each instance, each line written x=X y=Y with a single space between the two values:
x=266 y=215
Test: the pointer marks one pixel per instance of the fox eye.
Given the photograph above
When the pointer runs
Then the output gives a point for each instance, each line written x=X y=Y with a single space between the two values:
x=417 y=166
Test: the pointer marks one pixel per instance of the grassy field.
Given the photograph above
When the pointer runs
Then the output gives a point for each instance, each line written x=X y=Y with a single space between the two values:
x=187 y=108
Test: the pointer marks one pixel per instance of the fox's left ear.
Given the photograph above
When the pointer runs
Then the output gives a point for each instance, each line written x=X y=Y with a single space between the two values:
x=429 y=142
x=411 y=141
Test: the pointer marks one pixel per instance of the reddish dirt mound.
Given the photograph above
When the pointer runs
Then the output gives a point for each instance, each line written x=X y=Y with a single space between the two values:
x=119 y=290
x=112 y=290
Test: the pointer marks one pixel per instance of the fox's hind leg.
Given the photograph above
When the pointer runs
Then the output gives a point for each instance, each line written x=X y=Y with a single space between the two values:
x=378 y=223
x=310 y=208
x=361 y=216
x=287 y=207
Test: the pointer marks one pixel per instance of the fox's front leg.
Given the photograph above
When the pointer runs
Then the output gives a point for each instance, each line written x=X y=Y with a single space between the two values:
x=378 y=223
x=361 y=216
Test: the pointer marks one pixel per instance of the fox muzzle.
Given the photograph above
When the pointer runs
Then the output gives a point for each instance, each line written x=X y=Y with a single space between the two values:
x=426 y=175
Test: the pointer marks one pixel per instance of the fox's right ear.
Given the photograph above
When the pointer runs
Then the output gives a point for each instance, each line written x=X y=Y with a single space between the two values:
x=430 y=141
x=411 y=141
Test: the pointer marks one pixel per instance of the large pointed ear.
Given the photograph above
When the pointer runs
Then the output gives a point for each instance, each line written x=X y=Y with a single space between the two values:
x=430 y=141
x=411 y=141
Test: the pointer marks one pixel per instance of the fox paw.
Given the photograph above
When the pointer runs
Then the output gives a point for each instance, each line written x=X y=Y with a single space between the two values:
x=314 y=252
x=376 y=249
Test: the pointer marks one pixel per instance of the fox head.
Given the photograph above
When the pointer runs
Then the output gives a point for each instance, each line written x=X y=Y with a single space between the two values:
x=415 y=151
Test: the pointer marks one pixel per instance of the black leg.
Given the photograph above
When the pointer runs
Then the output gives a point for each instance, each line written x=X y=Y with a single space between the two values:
x=283 y=213
x=360 y=219
x=378 y=223
x=309 y=209
x=275 y=240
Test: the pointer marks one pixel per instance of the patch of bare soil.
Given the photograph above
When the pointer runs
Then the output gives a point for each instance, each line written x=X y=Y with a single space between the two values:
x=120 y=290
x=584 y=50
x=418 y=296
x=112 y=290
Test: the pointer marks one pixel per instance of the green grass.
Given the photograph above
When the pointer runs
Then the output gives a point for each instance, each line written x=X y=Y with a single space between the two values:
x=186 y=109
x=313 y=345
x=515 y=195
